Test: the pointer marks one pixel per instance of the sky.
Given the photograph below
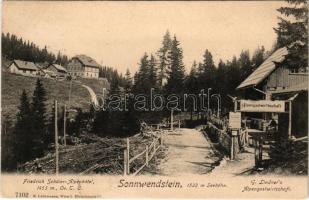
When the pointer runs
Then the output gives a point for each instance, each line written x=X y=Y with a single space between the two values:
x=117 y=34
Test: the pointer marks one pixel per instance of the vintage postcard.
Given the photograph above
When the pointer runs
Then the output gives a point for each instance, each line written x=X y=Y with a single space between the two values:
x=154 y=99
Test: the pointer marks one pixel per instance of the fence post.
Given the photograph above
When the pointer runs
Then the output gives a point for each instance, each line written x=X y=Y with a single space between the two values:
x=161 y=138
x=64 y=125
x=125 y=162
x=154 y=146
x=232 y=147
x=260 y=150
x=290 y=120
x=147 y=159
x=172 y=120
x=56 y=138
x=128 y=156
x=178 y=124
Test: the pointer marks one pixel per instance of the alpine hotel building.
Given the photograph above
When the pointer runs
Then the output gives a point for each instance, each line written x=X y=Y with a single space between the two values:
x=83 y=66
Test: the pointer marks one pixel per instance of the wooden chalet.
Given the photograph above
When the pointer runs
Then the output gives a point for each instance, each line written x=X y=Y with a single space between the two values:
x=24 y=68
x=273 y=80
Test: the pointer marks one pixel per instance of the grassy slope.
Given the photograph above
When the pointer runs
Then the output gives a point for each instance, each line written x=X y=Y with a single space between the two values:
x=12 y=86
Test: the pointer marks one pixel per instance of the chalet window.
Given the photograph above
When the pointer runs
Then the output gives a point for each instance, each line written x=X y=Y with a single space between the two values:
x=301 y=70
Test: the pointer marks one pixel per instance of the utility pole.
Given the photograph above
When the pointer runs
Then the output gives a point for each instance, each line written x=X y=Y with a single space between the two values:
x=56 y=139
x=70 y=93
x=64 y=124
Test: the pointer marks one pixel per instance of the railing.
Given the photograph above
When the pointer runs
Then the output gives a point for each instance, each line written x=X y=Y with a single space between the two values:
x=149 y=153
x=165 y=125
x=221 y=124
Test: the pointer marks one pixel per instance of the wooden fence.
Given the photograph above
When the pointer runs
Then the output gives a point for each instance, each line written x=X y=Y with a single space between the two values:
x=166 y=125
x=148 y=154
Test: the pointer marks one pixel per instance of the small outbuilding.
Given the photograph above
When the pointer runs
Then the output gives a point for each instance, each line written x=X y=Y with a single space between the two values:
x=59 y=70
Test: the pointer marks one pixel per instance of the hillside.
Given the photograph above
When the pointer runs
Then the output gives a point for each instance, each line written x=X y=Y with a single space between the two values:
x=12 y=86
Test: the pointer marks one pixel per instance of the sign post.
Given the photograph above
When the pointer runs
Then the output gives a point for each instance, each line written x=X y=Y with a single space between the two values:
x=234 y=120
x=234 y=125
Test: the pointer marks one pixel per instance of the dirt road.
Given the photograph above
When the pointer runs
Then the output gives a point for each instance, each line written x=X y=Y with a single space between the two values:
x=189 y=152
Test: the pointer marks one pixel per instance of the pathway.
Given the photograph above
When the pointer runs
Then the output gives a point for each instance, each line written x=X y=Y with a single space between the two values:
x=189 y=152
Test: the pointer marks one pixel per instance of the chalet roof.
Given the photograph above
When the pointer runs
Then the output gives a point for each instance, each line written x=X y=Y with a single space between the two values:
x=87 y=61
x=25 y=65
x=42 y=65
x=265 y=69
x=60 y=68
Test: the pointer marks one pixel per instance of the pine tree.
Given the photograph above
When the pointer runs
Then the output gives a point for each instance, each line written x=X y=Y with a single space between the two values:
x=152 y=72
x=258 y=57
x=245 y=64
x=141 y=81
x=292 y=32
x=207 y=71
x=221 y=77
x=100 y=123
x=59 y=59
x=164 y=60
x=23 y=145
x=114 y=86
x=18 y=48
x=109 y=73
x=191 y=80
x=128 y=82
x=234 y=78
x=176 y=72
x=38 y=111
x=191 y=85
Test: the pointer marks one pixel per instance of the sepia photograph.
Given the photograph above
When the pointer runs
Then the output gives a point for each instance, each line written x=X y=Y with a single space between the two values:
x=200 y=99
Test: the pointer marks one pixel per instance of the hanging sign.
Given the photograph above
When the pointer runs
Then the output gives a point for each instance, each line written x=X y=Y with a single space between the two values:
x=235 y=120
x=262 y=106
